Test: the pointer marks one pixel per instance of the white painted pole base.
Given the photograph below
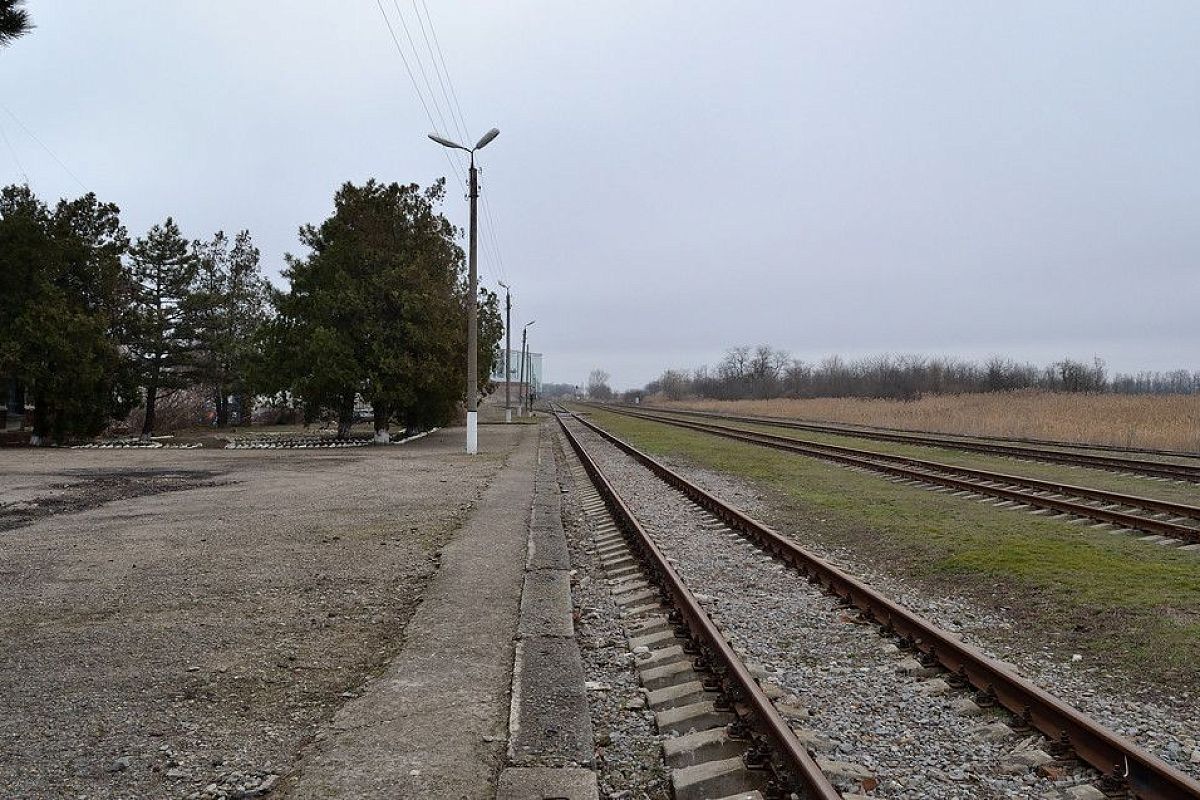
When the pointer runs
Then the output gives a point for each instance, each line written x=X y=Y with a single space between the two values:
x=508 y=415
x=472 y=432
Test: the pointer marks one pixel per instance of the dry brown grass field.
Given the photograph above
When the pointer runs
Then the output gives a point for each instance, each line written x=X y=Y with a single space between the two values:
x=1169 y=422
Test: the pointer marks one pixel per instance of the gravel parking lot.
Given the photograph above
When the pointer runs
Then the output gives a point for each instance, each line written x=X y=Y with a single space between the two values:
x=180 y=623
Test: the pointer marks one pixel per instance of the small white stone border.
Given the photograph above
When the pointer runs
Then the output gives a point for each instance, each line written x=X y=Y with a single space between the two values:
x=332 y=443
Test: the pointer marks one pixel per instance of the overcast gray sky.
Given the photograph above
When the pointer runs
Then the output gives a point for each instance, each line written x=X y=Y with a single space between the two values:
x=673 y=179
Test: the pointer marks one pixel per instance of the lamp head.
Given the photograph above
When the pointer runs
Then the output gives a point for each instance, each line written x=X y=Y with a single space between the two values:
x=487 y=137
x=446 y=142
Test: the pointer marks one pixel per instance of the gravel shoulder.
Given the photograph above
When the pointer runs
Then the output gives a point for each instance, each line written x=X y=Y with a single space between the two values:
x=186 y=640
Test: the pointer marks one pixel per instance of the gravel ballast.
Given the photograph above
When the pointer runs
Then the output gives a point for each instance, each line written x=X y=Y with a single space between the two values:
x=1166 y=723
x=629 y=762
x=907 y=731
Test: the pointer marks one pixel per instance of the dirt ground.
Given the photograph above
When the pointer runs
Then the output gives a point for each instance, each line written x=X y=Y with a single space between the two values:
x=179 y=623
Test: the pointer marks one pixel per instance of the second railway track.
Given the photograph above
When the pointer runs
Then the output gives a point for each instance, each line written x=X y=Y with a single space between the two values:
x=887 y=727
x=1177 y=522
x=1057 y=452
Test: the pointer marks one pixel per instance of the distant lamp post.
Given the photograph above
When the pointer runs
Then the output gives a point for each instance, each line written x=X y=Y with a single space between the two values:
x=521 y=400
x=472 y=299
x=507 y=352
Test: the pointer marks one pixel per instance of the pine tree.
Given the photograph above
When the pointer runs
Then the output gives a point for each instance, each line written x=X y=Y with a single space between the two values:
x=377 y=310
x=230 y=305
x=14 y=21
x=62 y=311
x=162 y=340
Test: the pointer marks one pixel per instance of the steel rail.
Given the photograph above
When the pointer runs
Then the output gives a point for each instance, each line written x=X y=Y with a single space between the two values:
x=973 y=480
x=852 y=427
x=797 y=760
x=1141 y=466
x=1121 y=762
x=1109 y=448
x=1134 y=501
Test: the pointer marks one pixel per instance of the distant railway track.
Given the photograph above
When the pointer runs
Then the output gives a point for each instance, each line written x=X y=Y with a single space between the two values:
x=1056 y=452
x=1177 y=521
x=1124 y=768
x=965 y=437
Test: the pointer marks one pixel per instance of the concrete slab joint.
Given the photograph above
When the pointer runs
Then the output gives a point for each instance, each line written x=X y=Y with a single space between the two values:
x=432 y=724
x=550 y=730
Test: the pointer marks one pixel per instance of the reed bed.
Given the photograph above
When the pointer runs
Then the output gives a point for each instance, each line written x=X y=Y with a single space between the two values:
x=1170 y=422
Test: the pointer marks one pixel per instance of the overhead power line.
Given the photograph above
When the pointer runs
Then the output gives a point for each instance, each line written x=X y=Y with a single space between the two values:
x=43 y=145
x=15 y=157
x=490 y=237
x=416 y=87
x=421 y=67
x=442 y=58
x=490 y=227
x=413 y=63
x=462 y=129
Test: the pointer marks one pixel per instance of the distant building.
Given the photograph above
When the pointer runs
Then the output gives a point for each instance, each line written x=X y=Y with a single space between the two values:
x=535 y=361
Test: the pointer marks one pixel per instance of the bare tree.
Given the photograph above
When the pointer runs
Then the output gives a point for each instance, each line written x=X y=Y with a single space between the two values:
x=598 y=388
x=764 y=372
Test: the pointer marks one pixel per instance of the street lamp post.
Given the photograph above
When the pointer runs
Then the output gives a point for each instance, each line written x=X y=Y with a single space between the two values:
x=529 y=380
x=472 y=299
x=507 y=351
x=524 y=392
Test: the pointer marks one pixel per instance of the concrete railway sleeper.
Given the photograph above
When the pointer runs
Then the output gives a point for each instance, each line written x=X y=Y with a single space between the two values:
x=1121 y=769
x=1165 y=470
x=1174 y=523
x=733 y=743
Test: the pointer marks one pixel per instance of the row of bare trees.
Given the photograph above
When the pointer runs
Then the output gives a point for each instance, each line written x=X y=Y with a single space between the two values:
x=764 y=372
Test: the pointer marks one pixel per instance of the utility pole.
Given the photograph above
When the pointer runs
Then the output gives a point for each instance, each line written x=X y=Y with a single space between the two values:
x=507 y=351
x=529 y=382
x=473 y=299
x=525 y=389
x=521 y=385
x=473 y=324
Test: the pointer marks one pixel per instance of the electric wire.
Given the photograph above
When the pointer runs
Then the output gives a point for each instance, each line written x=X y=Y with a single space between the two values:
x=494 y=236
x=421 y=67
x=43 y=145
x=442 y=58
x=462 y=129
x=490 y=238
x=488 y=241
x=15 y=157
x=416 y=88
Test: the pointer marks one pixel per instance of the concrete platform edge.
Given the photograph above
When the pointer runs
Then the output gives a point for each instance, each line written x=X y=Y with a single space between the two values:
x=550 y=733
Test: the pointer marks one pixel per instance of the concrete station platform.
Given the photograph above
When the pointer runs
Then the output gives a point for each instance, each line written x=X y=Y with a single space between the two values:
x=486 y=699
x=338 y=623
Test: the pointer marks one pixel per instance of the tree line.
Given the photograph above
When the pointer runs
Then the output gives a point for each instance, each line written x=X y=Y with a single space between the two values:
x=765 y=372
x=94 y=324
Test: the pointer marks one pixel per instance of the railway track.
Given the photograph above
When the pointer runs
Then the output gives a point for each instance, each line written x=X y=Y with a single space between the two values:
x=695 y=681
x=1164 y=470
x=1177 y=522
x=778 y=755
x=1054 y=443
